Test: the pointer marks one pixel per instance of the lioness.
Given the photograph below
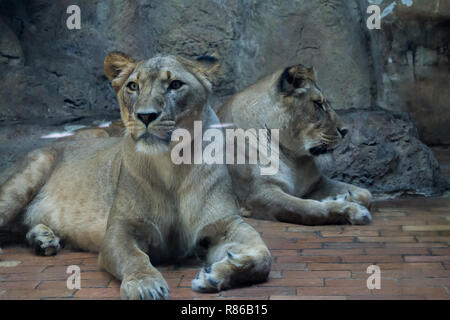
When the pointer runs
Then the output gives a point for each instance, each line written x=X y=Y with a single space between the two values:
x=126 y=199
x=291 y=101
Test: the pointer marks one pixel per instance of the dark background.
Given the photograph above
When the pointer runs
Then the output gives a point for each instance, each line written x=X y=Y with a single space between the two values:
x=390 y=85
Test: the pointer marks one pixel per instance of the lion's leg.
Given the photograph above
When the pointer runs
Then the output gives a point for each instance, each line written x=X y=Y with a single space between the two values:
x=329 y=189
x=121 y=256
x=240 y=258
x=24 y=182
x=43 y=240
x=275 y=203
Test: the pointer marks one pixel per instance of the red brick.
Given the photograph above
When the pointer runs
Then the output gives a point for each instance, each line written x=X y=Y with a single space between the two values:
x=426 y=258
x=416 y=245
x=288 y=266
x=350 y=233
x=371 y=259
x=356 y=283
x=406 y=266
x=305 y=244
x=316 y=274
x=18 y=284
x=436 y=273
x=98 y=293
x=36 y=294
x=433 y=239
x=396 y=251
x=305 y=259
x=428 y=293
x=308 y=259
x=259 y=291
x=338 y=266
x=333 y=291
x=387 y=239
x=391 y=274
x=278 y=252
x=333 y=239
x=188 y=293
x=92 y=283
x=331 y=252
x=352 y=245
x=179 y=282
x=425 y=282
x=274 y=243
x=441 y=251
x=296 y=282
x=22 y=269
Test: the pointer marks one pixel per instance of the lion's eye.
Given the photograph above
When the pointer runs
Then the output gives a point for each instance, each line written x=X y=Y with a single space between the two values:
x=319 y=105
x=175 y=85
x=133 y=86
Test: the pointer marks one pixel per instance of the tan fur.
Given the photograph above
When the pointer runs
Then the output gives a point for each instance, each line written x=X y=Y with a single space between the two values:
x=126 y=199
x=291 y=101
x=115 y=129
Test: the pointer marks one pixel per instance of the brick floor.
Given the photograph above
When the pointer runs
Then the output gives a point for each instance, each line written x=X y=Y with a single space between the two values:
x=408 y=240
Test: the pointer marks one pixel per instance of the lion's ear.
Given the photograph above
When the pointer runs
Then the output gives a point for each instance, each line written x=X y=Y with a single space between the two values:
x=118 y=67
x=295 y=77
x=312 y=74
x=208 y=65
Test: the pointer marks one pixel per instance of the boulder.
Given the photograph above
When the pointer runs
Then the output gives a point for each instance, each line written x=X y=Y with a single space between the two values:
x=383 y=153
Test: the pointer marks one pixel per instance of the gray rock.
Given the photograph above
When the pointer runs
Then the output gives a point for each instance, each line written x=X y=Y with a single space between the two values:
x=64 y=68
x=383 y=153
x=10 y=49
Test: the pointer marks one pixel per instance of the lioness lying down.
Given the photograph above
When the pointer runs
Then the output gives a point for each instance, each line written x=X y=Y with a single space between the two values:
x=126 y=199
x=291 y=101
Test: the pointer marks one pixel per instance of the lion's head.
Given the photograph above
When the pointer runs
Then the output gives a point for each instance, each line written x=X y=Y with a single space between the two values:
x=308 y=123
x=158 y=94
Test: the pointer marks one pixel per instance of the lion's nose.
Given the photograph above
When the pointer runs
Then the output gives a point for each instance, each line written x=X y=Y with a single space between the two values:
x=148 y=117
x=342 y=131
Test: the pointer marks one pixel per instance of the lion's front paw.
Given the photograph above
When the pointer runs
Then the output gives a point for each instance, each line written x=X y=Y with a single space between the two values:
x=43 y=240
x=356 y=214
x=144 y=286
x=360 y=195
x=350 y=212
x=242 y=264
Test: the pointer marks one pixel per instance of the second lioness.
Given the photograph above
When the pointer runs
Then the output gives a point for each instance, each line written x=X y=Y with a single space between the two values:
x=291 y=101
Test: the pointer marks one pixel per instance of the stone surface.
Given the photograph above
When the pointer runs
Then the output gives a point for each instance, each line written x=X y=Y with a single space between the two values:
x=63 y=73
x=410 y=57
x=383 y=153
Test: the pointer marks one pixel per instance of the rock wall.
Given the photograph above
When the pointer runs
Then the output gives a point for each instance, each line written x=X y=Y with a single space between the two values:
x=53 y=76
x=57 y=72
x=411 y=55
